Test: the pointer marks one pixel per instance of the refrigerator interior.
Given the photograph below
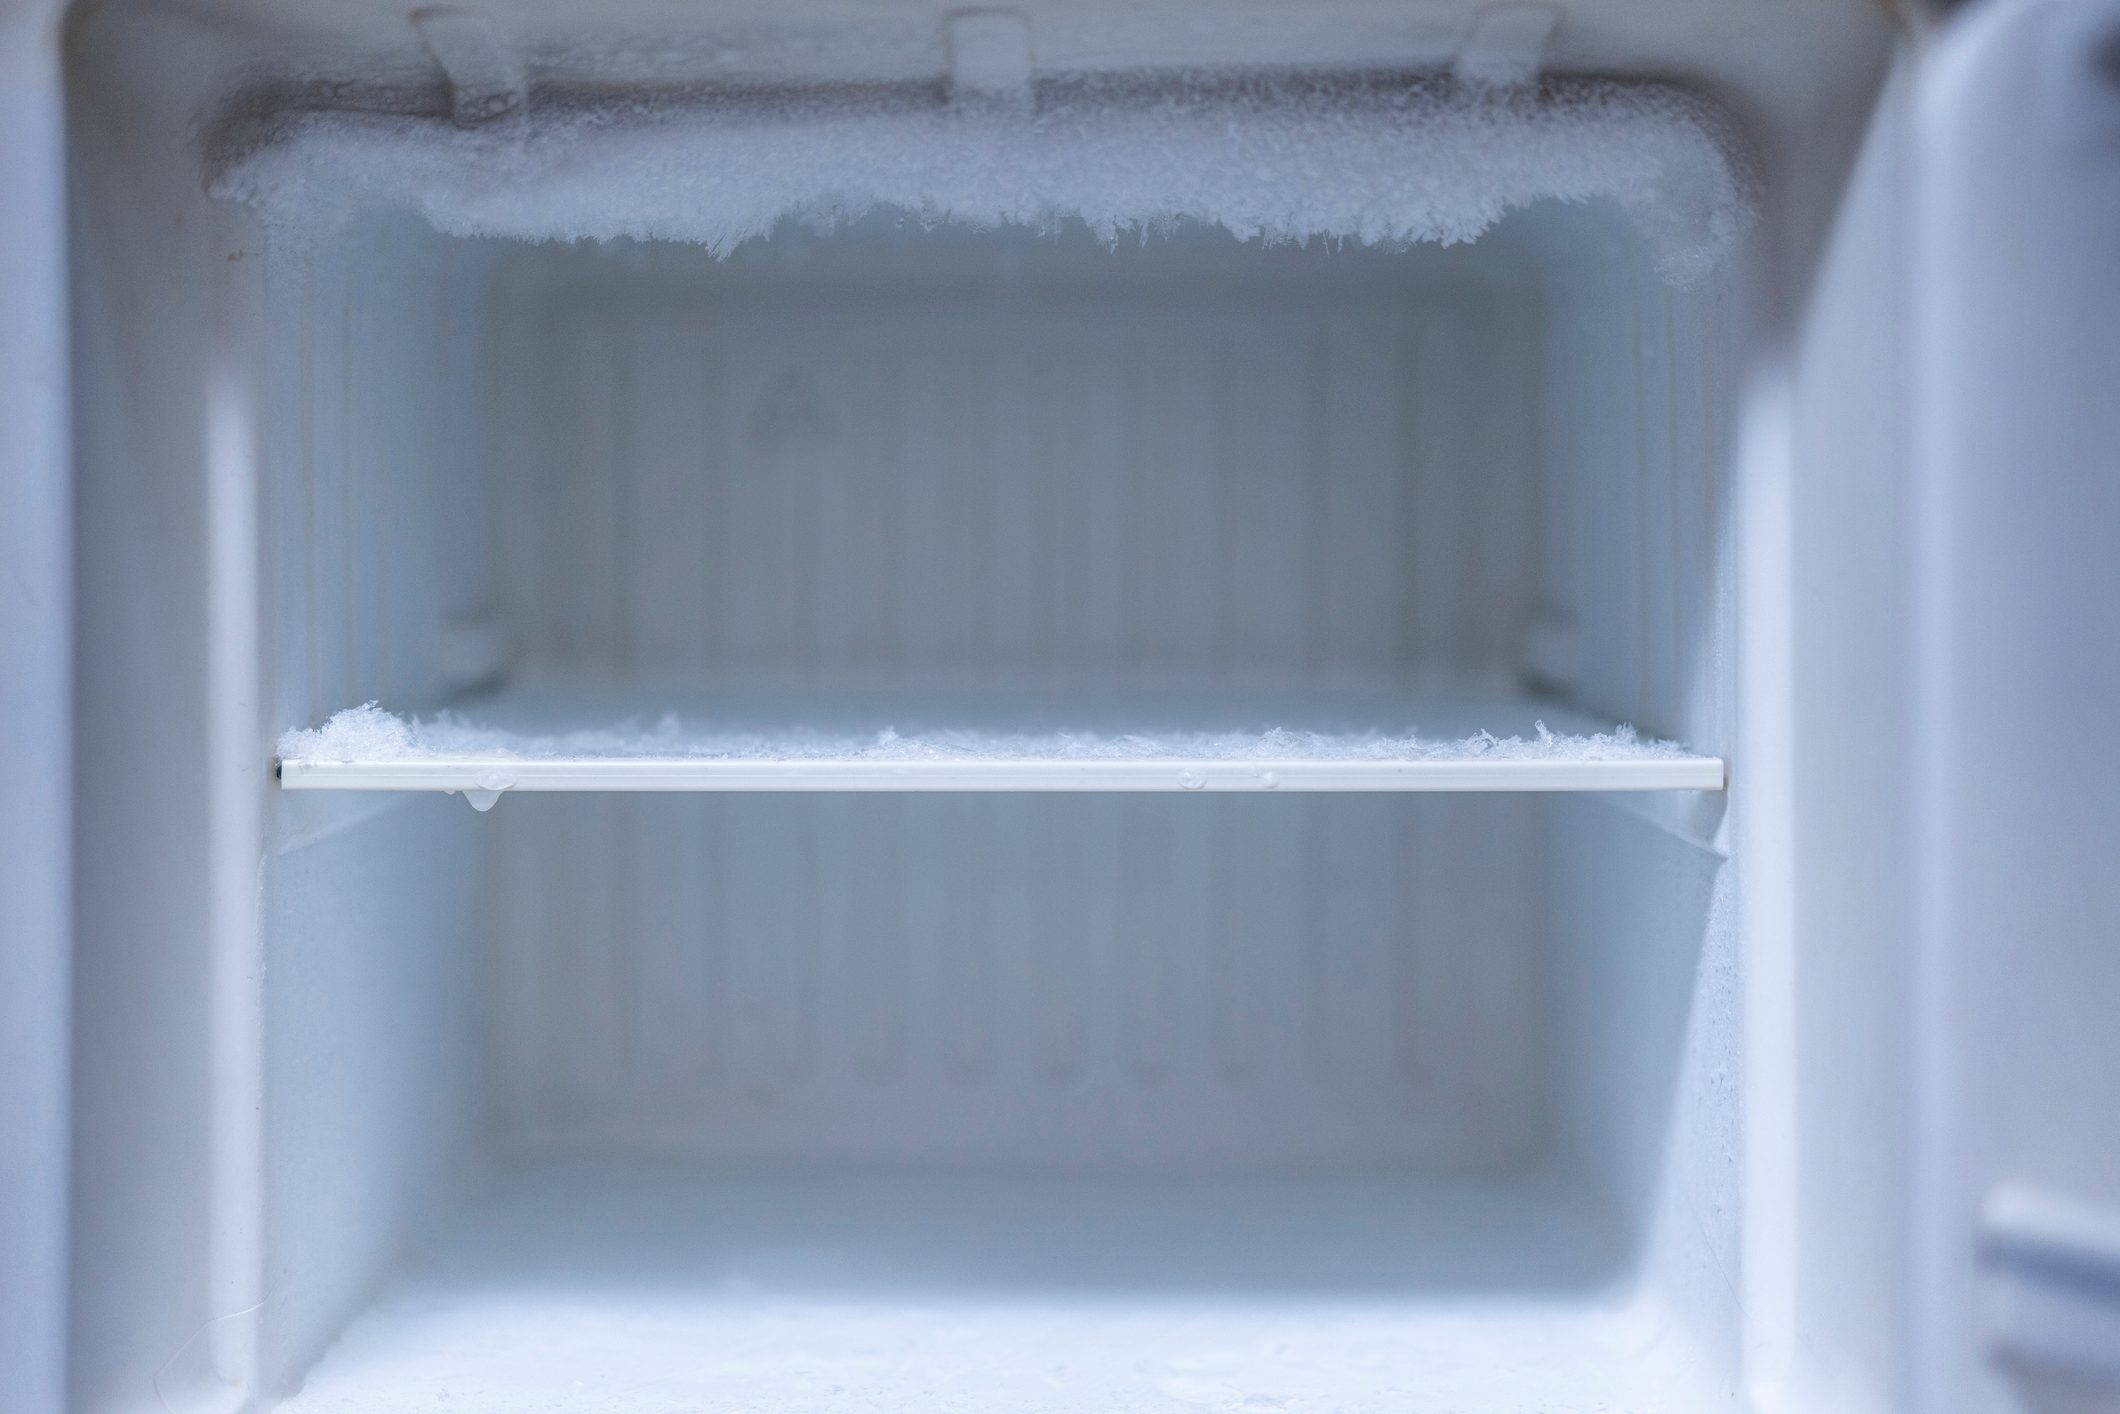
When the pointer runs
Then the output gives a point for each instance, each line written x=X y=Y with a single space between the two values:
x=1119 y=1098
x=1164 y=1099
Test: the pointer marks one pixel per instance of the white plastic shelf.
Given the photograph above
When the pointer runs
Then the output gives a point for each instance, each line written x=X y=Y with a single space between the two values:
x=572 y=740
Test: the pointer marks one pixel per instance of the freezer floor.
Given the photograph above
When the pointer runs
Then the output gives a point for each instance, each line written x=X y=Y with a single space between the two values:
x=594 y=1289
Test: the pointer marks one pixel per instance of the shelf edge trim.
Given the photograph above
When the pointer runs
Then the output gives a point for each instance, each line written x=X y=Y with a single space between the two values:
x=1698 y=773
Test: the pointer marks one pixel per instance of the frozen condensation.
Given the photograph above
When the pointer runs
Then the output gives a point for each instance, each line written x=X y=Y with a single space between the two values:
x=1376 y=162
x=371 y=735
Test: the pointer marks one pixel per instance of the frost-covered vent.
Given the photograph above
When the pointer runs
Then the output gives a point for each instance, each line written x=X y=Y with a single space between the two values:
x=366 y=748
x=1385 y=162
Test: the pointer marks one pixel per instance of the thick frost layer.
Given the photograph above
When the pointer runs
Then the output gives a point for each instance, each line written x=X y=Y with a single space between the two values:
x=370 y=734
x=1383 y=163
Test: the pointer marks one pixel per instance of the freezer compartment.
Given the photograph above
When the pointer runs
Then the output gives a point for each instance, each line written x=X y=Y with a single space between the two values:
x=1435 y=1091
x=1450 y=1066
x=1096 y=1101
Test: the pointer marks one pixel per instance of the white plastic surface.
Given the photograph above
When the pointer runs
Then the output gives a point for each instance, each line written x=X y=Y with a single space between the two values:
x=987 y=490
x=1371 y=463
x=475 y=774
x=2015 y=328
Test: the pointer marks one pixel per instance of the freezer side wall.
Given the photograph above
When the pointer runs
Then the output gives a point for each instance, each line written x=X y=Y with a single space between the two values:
x=276 y=504
x=171 y=765
x=374 y=546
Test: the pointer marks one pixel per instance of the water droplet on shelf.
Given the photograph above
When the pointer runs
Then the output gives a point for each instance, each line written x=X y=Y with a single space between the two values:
x=1191 y=780
x=1269 y=779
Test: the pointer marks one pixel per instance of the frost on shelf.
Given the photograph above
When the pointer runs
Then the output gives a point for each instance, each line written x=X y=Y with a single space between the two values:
x=1374 y=161
x=369 y=734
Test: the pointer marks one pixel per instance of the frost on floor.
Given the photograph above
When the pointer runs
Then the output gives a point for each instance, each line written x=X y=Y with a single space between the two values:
x=371 y=735
x=592 y=1291
x=1384 y=162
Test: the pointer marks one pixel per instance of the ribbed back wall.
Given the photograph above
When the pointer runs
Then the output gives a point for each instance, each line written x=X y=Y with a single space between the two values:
x=1075 y=982
x=1031 y=462
x=965 y=462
